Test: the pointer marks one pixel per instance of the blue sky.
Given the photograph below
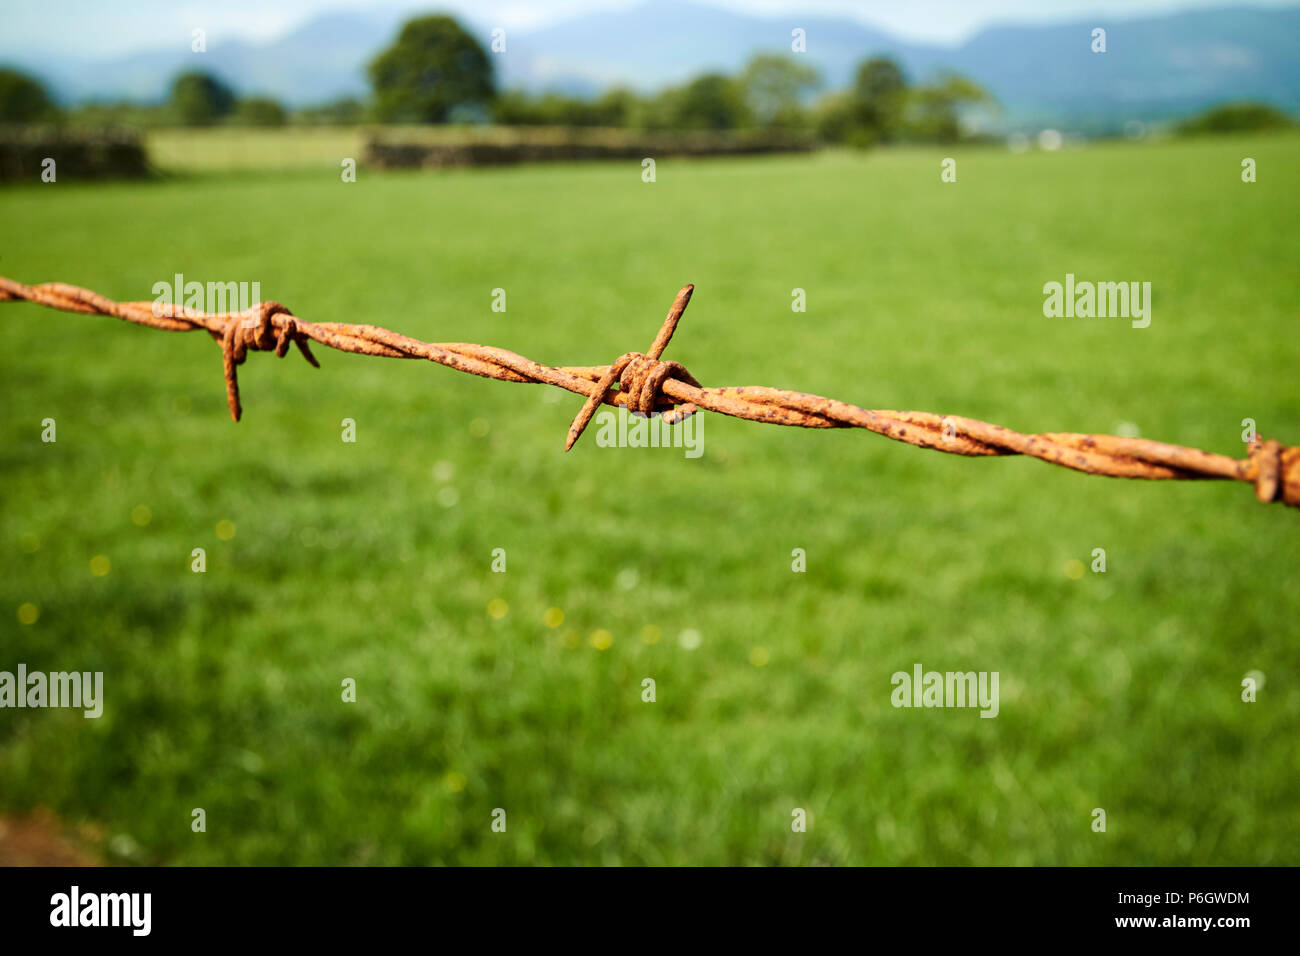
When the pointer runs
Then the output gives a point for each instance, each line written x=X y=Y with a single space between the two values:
x=94 y=28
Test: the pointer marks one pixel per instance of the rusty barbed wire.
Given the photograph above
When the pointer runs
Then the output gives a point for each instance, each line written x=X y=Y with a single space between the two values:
x=647 y=386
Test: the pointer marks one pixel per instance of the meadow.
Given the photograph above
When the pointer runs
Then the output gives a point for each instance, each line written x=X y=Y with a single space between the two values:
x=477 y=690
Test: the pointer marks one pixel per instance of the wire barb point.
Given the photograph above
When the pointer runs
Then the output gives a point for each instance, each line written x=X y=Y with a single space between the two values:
x=641 y=377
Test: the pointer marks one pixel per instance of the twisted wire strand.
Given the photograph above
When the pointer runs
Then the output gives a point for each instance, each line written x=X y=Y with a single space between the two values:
x=646 y=385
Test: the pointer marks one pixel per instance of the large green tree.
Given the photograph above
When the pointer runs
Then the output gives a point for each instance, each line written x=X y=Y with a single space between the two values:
x=933 y=110
x=434 y=67
x=23 y=99
x=774 y=87
x=711 y=101
x=200 y=99
x=878 y=100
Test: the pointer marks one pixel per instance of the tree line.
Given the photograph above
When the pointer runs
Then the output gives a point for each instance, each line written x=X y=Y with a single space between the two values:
x=437 y=72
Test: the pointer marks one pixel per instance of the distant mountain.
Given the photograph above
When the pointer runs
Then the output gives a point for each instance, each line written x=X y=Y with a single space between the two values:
x=321 y=60
x=1154 y=67
x=668 y=41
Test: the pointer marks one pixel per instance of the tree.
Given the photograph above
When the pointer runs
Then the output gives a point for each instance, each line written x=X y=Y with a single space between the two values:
x=516 y=108
x=260 y=111
x=434 y=67
x=1236 y=117
x=774 y=87
x=346 y=111
x=200 y=99
x=711 y=101
x=833 y=117
x=877 y=101
x=932 y=113
x=618 y=107
x=23 y=99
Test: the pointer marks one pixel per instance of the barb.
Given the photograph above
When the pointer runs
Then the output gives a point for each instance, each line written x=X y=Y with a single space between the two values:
x=647 y=385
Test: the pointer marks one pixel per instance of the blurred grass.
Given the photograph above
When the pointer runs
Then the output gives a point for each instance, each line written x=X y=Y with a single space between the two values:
x=188 y=150
x=1119 y=691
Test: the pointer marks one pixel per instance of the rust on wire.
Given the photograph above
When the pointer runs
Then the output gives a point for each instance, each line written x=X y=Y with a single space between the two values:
x=647 y=385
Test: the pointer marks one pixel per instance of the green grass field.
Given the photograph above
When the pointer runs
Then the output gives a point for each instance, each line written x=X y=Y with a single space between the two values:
x=372 y=560
x=223 y=149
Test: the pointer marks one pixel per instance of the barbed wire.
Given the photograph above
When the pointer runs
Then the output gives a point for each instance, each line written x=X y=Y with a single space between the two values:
x=645 y=385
